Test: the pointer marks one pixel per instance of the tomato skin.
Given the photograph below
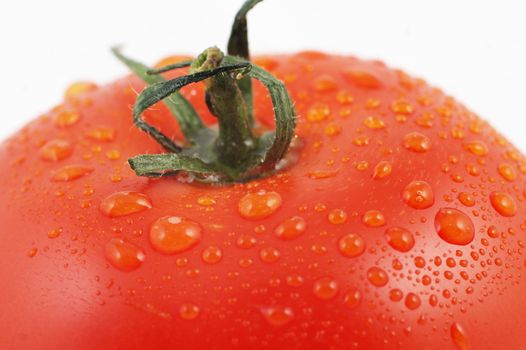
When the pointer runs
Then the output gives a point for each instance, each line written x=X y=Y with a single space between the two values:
x=261 y=291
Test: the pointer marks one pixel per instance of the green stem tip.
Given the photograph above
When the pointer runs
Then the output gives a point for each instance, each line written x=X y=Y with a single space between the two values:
x=231 y=152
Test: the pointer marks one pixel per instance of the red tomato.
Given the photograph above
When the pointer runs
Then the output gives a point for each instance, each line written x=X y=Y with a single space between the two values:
x=399 y=226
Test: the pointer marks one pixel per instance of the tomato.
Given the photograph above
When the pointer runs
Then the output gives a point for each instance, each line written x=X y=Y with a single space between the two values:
x=398 y=224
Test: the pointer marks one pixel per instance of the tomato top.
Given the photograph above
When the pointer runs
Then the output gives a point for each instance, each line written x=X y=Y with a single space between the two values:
x=396 y=224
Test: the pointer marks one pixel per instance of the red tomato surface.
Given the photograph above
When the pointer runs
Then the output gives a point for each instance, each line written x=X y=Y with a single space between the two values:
x=399 y=225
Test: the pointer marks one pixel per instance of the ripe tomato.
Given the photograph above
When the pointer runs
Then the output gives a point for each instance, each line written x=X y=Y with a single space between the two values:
x=398 y=225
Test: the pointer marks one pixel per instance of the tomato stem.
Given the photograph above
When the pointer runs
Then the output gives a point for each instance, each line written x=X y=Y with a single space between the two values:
x=233 y=153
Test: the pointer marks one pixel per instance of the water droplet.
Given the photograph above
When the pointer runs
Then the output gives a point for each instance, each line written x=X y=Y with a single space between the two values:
x=246 y=241
x=113 y=155
x=401 y=107
x=32 y=252
x=418 y=195
x=351 y=245
x=295 y=280
x=352 y=298
x=477 y=148
x=396 y=295
x=416 y=142
x=374 y=123
x=123 y=255
x=101 y=133
x=326 y=288
x=382 y=170
x=337 y=216
x=206 y=201
x=173 y=234
x=373 y=218
x=124 y=203
x=291 y=228
x=70 y=173
x=466 y=199
x=269 y=255
x=454 y=227
x=212 y=255
x=76 y=90
x=189 y=311
x=460 y=337
x=277 y=315
x=318 y=112
x=56 y=150
x=65 y=116
x=377 y=276
x=362 y=79
x=325 y=83
x=503 y=203
x=332 y=129
x=400 y=239
x=54 y=233
x=344 y=97
x=507 y=172
x=412 y=301
x=259 y=205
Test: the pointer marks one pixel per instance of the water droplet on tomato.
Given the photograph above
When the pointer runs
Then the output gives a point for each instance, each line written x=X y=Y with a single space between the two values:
x=352 y=298
x=101 y=133
x=466 y=199
x=401 y=107
x=377 y=276
x=55 y=232
x=373 y=218
x=123 y=255
x=326 y=288
x=246 y=241
x=362 y=79
x=189 y=311
x=507 y=172
x=400 y=239
x=65 y=116
x=396 y=295
x=477 y=148
x=173 y=234
x=206 y=201
x=374 y=123
x=56 y=150
x=291 y=228
x=460 y=337
x=412 y=301
x=318 y=112
x=382 y=170
x=418 y=195
x=259 y=205
x=124 y=203
x=454 y=227
x=503 y=203
x=70 y=173
x=416 y=142
x=212 y=255
x=277 y=315
x=269 y=255
x=351 y=245
x=337 y=216
x=295 y=280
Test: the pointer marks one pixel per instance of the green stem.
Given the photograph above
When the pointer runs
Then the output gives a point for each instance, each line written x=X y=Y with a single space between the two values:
x=235 y=142
x=238 y=46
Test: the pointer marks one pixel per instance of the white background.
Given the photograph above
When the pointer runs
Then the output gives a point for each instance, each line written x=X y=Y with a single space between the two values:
x=474 y=49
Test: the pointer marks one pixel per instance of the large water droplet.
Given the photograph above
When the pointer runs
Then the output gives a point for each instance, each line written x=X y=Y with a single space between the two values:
x=477 y=148
x=277 y=315
x=418 y=195
x=412 y=301
x=351 y=245
x=400 y=239
x=377 y=276
x=503 y=203
x=454 y=227
x=291 y=228
x=124 y=203
x=373 y=218
x=460 y=337
x=212 y=255
x=259 y=205
x=416 y=142
x=123 y=255
x=56 y=150
x=173 y=234
x=326 y=288
x=70 y=173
